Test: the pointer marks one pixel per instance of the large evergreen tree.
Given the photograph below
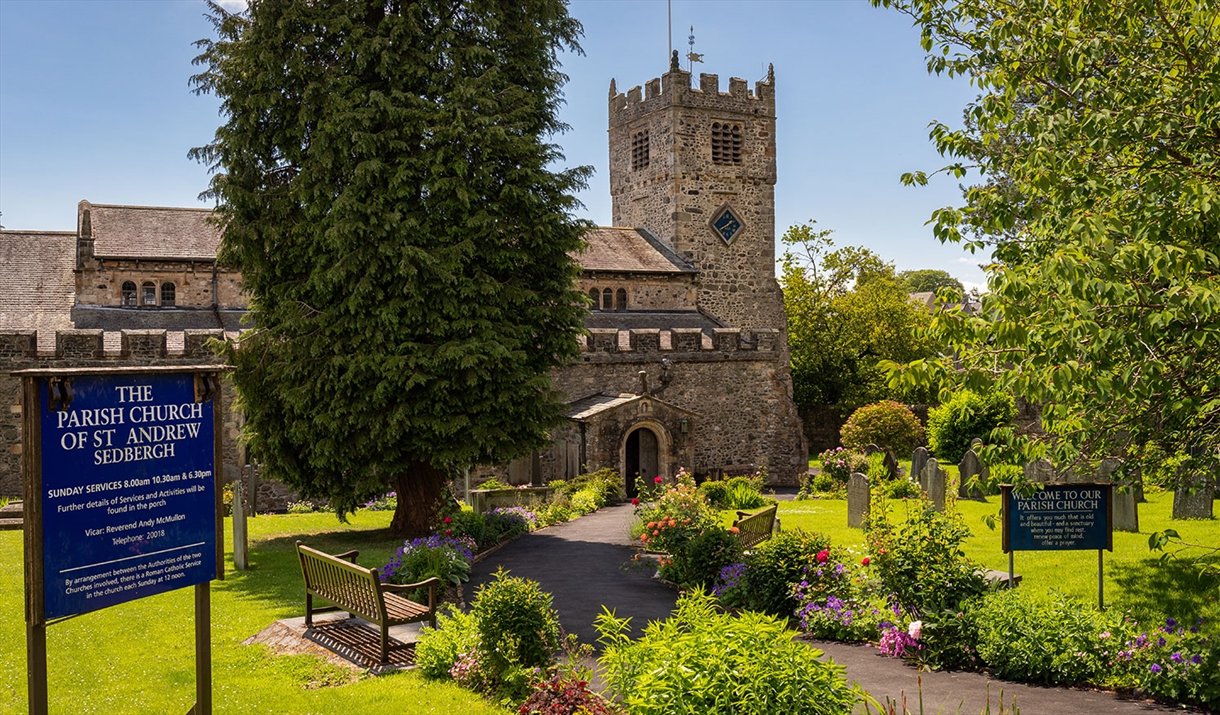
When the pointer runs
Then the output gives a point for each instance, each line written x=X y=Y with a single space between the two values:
x=383 y=183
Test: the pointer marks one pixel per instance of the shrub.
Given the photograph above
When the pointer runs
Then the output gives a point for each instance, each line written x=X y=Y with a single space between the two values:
x=829 y=601
x=776 y=565
x=565 y=696
x=517 y=623
x=509 y=522
x=438 y=649
x=444 y=557
x=679 y=512
x=887 y=424
x=698 y=560
x=839 y=464
x=471 y=525
x=1175 y=662
x=735 y=493
x=968 y=415
x=820 y=483
x=747 y=664
x=385 y=502
x=902 y=489
x=557 y=511
x=1053 y=640
x=493 y=483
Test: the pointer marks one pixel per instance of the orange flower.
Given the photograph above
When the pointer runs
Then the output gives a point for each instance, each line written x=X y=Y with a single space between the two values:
x=652 y=525
x=734 y=530
x=643 y=537
x=656 y=533
x=673 y=522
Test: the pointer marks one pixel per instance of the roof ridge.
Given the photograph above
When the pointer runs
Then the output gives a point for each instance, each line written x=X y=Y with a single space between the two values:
x=148 y=208
x=18 y=231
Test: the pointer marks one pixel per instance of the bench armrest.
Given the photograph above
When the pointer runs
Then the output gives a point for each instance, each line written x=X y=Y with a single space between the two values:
x=431 y=583
x=349 y=555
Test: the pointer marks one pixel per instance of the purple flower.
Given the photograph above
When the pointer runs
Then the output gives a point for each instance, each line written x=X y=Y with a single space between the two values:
x=1161 y=641
x=1196 y=659
x=1155 y=668
x=1176 y=657
x=1170 y=623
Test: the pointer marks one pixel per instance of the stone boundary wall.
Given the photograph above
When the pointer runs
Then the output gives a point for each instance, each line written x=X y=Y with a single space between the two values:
x=604 y=345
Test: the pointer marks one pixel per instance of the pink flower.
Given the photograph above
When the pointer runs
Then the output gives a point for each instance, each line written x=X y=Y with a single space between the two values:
x=823 y=555
x=635 y=502
x=658 y=479
x=864 y=561
x=915 y=629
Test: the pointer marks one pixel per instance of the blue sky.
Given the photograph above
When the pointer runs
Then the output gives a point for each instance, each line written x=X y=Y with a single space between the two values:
x=95 y=104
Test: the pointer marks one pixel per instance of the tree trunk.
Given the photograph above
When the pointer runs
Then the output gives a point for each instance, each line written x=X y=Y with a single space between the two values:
x=420 y=489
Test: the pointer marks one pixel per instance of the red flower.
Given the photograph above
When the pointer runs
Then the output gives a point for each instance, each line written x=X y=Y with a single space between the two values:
x=823 y=555
x=448 y=532
x=658 y=479
x=635 y=502
x=448 y=519
x=864 y=561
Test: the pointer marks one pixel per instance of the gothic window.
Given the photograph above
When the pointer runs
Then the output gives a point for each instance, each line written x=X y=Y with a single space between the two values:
x=596 y=296
x=129 y=293
x=639 y=150
x=148 y=293
x=607 y=299
x=726 y=143
x=167 y=294
x=621 y=303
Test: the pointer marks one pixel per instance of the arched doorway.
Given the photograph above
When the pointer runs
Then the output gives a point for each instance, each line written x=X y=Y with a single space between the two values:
x=642 y=457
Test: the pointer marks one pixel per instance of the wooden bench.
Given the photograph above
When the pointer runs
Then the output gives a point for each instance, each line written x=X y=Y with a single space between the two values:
x=753 y=529
x=360 y=592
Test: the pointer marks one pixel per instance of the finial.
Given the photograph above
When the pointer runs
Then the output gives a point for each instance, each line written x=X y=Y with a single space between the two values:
x=674 y=63
x=770 y=72
x=613 y=87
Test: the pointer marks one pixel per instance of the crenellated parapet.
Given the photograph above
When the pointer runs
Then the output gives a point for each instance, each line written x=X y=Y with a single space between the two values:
x=92 y=348
x=674 y=88
x=609 y=345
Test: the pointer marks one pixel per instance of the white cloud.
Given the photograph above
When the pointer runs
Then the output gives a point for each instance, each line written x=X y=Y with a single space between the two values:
x=964 y=259
x=971 y=286
x=233 y=5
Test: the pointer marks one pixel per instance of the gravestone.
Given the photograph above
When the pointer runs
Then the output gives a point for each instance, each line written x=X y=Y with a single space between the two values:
x=1193 y=497
x=891 y=464
x=858 y=499
x=1126 y=508
x=871 y=448
x=976 y=443
x=918 y=459
x=241 y=544
x=932 y=481
x=1040 y=470
x=969 y=468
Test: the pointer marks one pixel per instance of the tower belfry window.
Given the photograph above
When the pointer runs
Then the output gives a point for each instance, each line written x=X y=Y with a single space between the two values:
x=639 y=150
x=726 y=143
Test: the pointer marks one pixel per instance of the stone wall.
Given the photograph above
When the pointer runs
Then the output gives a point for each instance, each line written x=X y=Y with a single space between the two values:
x=739 y=387
x=645 y=292
x=100 y=282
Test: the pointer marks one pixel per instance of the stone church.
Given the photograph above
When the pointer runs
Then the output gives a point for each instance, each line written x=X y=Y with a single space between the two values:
x=685 y=363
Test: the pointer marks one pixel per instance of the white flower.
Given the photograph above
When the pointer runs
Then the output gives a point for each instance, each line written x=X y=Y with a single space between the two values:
x=915 y=629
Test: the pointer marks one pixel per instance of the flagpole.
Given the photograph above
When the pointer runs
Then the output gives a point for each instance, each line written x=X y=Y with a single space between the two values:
x=670 y=7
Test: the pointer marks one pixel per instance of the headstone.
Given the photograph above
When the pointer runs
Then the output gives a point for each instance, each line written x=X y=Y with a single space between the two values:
x=1126 y=508
x=932 y=481
x=871 y=448
x=891 y=464
x=1193 y=497
x=918 y=459
x=969 y=468
x=858 y=498
x=1040 y=470
x=976 y=443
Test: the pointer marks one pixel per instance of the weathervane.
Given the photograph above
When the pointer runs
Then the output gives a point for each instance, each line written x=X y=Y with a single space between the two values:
x=692 y=56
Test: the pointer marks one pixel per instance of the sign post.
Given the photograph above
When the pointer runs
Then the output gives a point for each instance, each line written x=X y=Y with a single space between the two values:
x=1060 y=517
x=121 y=499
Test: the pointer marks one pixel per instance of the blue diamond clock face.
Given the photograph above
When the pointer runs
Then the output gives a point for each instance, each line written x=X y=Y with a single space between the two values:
x=726 y=224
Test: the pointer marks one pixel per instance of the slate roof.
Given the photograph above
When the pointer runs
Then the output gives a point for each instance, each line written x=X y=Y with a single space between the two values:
x=100 y=317
x=614 y=249
x=37 y=286
x=152 y=232
x=587 y=407
x=644 y=319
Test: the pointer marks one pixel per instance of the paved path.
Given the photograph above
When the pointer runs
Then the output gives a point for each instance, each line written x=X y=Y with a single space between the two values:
x=582 y=563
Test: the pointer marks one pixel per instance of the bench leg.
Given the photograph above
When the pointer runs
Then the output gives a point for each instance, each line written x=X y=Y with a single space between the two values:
x=309 y=610
x=385 y=645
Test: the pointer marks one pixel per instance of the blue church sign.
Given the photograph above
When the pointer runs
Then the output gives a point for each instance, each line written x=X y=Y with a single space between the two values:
x=128 y=488
x=1059 y=517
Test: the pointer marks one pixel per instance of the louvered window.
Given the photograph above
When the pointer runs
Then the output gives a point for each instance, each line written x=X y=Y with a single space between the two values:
x=726 y=143
x=639 y=150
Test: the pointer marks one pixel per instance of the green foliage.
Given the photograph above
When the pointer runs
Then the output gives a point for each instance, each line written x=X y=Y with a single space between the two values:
x=901 y=488
x=1093 y=134
x=1173 y=661
x=887 y=424
x=517 y=624
x=966 y=416
x=697 y=561
x=775 y=565
x=493 y=483
x=437 y=649
x=703 y=662
x=1052 y=640
x=929 y=279
x=302 y=507
x=735 y=493
x=846 y=311
x=820 y=483
x=921 y=561
x=839 y=463
x=383 y=181
x=679 y=512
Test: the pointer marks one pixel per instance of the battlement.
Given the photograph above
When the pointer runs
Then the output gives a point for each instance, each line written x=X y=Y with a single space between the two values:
x=723 y=343
x=674 y=89
x=92 y=346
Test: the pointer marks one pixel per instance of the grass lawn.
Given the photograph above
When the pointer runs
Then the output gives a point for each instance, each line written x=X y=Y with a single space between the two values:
x=138 y=657
x=1134 y=578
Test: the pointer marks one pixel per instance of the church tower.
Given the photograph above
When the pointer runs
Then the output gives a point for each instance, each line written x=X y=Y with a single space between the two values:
x=696 y=167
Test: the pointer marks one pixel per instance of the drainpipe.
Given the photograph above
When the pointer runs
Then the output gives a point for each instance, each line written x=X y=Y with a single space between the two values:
x=584 y=462
x=216 y=299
